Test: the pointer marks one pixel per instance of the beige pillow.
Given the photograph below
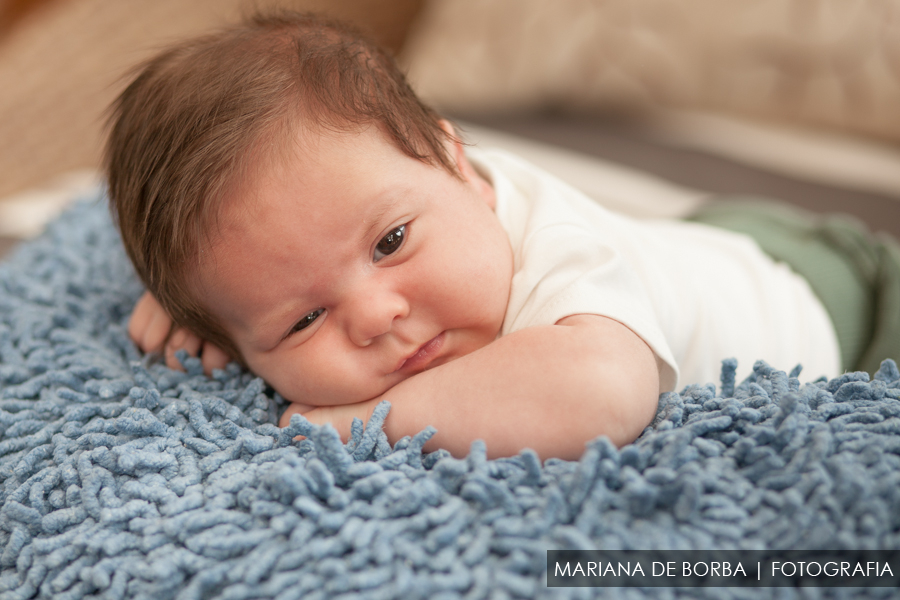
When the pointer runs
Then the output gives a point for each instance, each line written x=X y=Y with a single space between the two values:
x=832 y=63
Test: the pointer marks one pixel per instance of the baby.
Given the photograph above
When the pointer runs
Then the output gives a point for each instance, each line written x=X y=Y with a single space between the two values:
x=290 y=204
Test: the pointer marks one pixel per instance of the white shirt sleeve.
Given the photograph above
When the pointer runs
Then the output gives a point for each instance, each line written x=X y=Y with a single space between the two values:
x=564 y=267
x=694 y=294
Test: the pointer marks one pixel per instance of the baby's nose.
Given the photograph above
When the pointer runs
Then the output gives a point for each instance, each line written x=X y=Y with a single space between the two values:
x=374 y=315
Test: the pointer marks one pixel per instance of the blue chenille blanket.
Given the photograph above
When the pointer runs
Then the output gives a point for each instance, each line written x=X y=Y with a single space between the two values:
x=124 y=479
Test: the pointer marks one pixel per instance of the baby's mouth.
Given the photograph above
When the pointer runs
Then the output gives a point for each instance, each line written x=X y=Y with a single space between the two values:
x=421 y=358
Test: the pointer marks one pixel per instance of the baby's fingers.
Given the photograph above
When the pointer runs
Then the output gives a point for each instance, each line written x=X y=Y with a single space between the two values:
x=312 y=413
x=213 y=357
x=181 y=339
x=149 y=324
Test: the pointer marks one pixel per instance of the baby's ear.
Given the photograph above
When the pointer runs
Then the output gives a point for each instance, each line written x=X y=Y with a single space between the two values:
x=452 y=143
x=468 y=172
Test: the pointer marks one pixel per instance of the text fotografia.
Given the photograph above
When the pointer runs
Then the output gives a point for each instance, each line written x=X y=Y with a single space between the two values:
x=723 y=568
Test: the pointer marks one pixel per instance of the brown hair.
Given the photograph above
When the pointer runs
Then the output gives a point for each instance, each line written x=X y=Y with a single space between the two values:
x=195 y=115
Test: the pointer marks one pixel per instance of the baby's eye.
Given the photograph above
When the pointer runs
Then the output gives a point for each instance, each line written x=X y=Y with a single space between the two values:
x=307 y=320
x=390 y=243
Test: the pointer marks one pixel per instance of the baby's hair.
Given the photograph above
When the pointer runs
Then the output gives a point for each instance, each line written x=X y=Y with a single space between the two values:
x=184 y=133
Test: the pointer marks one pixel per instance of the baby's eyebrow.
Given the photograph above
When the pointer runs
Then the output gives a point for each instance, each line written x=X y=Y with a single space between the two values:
x=377 y=216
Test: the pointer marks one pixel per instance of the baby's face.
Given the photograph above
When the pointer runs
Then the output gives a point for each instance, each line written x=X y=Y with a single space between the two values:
x=347 y=267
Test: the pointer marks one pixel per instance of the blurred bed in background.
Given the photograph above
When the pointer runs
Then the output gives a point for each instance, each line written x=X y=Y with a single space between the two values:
x=791 y=99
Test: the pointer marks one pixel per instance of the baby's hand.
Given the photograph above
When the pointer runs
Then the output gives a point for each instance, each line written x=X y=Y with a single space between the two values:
x=294 y=408
x=149 y=327
x=340 y=416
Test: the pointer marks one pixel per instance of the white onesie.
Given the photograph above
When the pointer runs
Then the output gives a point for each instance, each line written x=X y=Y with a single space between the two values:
x=694 y=293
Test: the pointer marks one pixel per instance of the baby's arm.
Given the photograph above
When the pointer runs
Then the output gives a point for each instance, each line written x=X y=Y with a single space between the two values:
x=149 y=328
x=547 y=388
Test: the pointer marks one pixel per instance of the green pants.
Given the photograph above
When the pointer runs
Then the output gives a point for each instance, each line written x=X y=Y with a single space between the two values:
x=854 y=273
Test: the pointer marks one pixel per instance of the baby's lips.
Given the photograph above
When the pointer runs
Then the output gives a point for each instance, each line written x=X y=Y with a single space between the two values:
x=420 y=359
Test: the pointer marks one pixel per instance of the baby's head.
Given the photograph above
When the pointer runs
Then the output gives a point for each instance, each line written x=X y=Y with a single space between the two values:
x=284 y=194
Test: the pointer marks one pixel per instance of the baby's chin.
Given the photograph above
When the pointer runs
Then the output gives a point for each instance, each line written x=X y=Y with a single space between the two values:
x=339 y=398
x=376 y=390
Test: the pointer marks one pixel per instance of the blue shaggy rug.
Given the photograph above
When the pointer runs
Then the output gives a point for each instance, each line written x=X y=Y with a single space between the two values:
x=120 y=478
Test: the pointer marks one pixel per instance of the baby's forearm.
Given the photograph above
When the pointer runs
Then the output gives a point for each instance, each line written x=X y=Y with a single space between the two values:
x=547 y=388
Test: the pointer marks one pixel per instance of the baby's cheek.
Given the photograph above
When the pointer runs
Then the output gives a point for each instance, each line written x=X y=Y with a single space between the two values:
x=281 y=375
